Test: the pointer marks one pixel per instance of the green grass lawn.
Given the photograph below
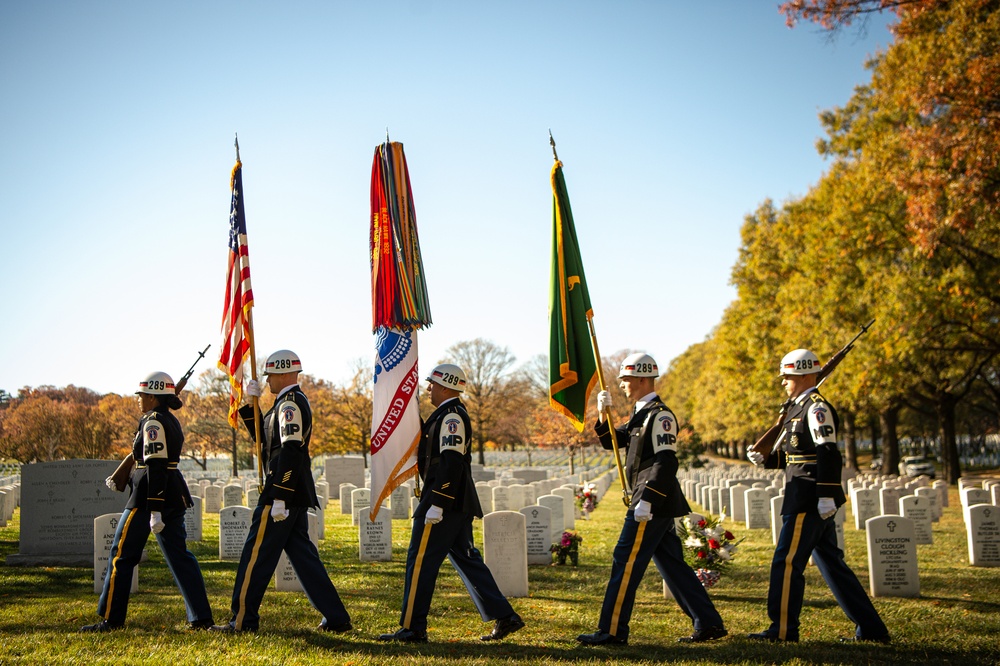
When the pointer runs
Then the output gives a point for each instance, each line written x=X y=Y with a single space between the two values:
x=956 y=619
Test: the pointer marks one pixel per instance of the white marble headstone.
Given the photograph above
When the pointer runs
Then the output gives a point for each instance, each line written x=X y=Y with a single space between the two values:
x=865 y=504
x=213 y=499
x=375 y=538
x=555 y=506
x=776 y=502
x=485 y=493
x=889 y=501
x=234 y=526
x=918 y=509
x=569 y=506
x=232 y=495
x=104 y=536
x=737 y=501
x=323 y=493
x=361 y=498
x=538 y=528
x=892 y=557
x=193 y=520
x=983 y=535
x=506 y=551
x=345 y=498
x=399 y=503
x=757 y=502
x=500 y=497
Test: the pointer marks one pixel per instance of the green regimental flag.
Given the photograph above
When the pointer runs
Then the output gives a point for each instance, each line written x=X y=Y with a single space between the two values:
x=572 y=365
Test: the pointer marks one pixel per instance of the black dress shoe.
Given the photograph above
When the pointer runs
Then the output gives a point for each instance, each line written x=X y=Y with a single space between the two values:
x=405 y=636
x=231 y=629
x=103 y=625
x=601 y=638
x=201 y=625
x=335 y=628
x=702 y=635
x=504 y=626
x=770 y=638
x=885 y=640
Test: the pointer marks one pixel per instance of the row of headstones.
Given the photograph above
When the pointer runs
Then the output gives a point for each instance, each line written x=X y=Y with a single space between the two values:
x=871 y=495
x=234 y=526
x=10 y=499
x=512 y=539
x=218 y=495
x=338 y=470
x=899 y=528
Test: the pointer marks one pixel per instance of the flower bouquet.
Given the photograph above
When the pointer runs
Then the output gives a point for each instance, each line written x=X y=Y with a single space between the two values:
x=708 y=547
x=586 y=499
x=568 y=545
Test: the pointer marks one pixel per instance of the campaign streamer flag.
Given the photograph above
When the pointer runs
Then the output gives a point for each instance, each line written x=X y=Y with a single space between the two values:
x=399 y=309
x=236 y=331
x=572 y=363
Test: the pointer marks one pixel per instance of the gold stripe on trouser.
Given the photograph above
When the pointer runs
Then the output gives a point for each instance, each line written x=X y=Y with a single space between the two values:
x=253 y=560
x=786 y=584
x=114 y=564
x=623 y=586
x=415 y=579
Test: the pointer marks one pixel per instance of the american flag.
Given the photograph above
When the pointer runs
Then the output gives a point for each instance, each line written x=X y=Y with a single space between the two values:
x=236 y=333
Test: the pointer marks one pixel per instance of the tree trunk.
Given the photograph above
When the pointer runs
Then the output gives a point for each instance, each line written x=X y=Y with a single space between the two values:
x=944 y=407
x=888 y=420
x=850 y=444
x=875 y=433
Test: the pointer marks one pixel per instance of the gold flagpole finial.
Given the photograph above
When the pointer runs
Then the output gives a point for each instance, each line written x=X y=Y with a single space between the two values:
x=552 y=142
x=237 y=144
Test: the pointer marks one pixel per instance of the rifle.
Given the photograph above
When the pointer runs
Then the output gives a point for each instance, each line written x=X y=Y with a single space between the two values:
x=769 y=441
x=124 y=471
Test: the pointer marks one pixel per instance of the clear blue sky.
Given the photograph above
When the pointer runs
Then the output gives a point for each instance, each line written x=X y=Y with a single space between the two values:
x=673 y=120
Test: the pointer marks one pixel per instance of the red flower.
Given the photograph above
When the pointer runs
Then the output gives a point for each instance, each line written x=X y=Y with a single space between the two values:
x=713 y=544
x=702 y=523
x=701 y=555
x=729 y=536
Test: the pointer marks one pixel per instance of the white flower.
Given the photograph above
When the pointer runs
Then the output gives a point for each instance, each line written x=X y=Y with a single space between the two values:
x=693 y=542
x=723 y=553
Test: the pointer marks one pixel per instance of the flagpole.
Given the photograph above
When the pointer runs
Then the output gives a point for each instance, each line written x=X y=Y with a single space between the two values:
x=600 y=379
x=626 y=494
x=253 y=376
x=256 y=404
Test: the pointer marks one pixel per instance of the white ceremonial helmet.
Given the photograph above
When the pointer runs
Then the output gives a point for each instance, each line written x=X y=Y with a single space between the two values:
x=282 y=362
x=157 y=383
x=448 y=375
x=638 y=365
x=799 y=362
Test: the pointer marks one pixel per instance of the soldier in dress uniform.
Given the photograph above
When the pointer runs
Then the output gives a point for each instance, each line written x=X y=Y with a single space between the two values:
x=813 y=493
x=649 y=437
x=442 y=522
x=157 y=503
x=281 y=521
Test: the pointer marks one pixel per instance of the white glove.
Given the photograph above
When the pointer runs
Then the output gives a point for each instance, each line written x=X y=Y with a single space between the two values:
x=278 y=510
x=110 y=483
x=253 y=388
x=756 y=457
x=826 y=506
x=434 y=515
x=643 y=511
x=156 y=522
x=603 y=401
